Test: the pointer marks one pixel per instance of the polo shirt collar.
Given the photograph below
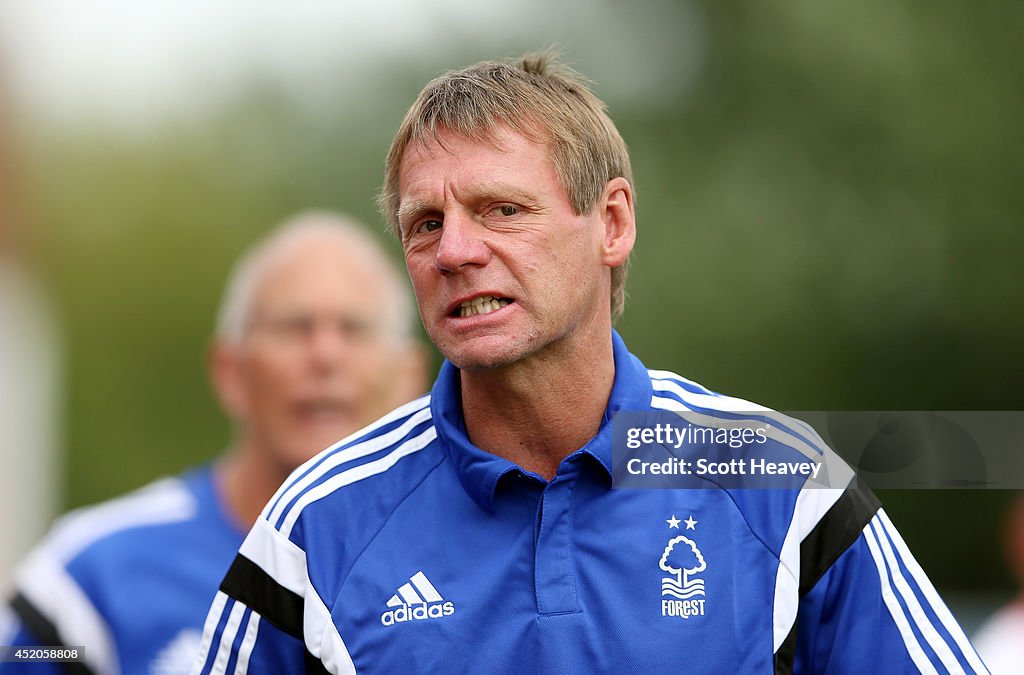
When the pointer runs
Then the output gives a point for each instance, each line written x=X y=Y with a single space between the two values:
x=480 y=471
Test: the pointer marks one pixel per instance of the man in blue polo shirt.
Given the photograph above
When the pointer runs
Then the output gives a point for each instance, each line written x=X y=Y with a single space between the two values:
x=476 y=530
x=313 y=341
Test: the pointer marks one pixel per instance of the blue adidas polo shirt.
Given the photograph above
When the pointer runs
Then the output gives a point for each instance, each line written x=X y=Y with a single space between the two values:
x=130 y=580
x=405 y=548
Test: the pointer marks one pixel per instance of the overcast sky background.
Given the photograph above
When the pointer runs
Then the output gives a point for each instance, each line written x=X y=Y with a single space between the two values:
x=136 y=63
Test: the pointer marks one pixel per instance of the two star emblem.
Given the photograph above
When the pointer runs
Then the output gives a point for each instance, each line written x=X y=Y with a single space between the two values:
x=690 y=523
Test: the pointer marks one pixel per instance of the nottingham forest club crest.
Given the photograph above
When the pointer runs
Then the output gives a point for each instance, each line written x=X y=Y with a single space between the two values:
x=682 y=592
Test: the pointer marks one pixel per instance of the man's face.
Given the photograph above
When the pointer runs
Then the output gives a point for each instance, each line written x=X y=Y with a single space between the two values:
x=502 y=266
x=320 y=358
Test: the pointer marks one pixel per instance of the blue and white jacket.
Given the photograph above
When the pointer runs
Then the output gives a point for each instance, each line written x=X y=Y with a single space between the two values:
x=129 y=580
x=406 y=549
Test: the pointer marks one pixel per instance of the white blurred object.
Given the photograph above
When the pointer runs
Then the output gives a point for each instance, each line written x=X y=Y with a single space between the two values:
x=1000 y=640
x=29 y=414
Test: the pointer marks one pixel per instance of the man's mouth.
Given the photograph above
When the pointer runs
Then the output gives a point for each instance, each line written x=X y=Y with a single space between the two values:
x=327 y=409
x=485 y=304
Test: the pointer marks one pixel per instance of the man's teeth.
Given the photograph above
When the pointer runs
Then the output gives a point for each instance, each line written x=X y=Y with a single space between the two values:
x=485 y=304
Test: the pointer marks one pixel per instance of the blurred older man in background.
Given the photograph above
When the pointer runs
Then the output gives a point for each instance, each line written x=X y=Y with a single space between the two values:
x=314 y=340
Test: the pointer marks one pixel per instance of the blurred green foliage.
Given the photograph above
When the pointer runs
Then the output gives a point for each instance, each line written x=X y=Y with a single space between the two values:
x=830 y=219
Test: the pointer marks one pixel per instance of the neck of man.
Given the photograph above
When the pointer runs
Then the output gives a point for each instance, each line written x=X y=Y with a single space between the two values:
x=538 y=411
x=246 y=483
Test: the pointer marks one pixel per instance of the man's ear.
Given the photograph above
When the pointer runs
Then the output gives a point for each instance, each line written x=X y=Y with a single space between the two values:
x=619 y=219
x=226 y=378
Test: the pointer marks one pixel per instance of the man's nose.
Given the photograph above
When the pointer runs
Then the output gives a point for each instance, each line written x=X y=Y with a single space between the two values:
x=328 y=346
x=463 y=243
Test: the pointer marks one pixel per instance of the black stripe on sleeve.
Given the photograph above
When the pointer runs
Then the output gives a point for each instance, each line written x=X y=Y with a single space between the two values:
x=834 y=533
x=841 y=525
x=314 y=666
x=248 y=583
x=785 y=658
x=45 y=632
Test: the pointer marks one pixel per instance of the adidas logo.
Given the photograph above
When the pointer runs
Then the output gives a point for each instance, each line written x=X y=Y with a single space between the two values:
x=415 y=601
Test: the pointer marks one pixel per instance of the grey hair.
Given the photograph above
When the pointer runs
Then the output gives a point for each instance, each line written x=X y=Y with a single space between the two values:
x=234 y=315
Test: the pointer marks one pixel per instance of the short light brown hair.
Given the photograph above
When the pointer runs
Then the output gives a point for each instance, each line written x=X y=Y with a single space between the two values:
x=537 y=97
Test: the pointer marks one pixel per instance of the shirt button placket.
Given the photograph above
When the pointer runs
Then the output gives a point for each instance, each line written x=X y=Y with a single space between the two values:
x=554 y=567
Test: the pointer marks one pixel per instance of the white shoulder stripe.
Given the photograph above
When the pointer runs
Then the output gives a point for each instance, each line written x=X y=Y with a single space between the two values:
x=227 y=640
x=924 y=624
x=811 y=506
x=931 y=595
x=335 y=458
x=401 y=411
x=785 y=605
x=276 y=555
x=669 y=375
x=666 y=404
x=736 y=406
x=46 y=584
x=252 y=628
x=165 y=501
x=914 y=649
x=286 y=564
x=322 y=638
x=710 y=421
x=209 y=628
x=355 y=474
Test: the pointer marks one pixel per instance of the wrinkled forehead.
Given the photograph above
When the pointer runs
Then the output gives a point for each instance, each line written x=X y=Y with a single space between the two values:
x=483 y=166
x=432 y=136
